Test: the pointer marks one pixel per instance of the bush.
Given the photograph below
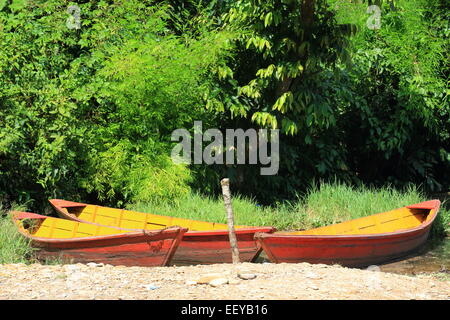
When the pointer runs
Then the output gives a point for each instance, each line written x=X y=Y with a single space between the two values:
x=87 y=113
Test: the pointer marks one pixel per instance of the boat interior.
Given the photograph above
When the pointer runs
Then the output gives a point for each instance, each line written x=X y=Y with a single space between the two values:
x=137 y=220
x=55 y=228
x=385 y=222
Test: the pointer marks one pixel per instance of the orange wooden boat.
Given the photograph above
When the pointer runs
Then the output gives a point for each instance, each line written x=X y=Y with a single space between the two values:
x=204 y=243
x=356 y=243
x=82 y=242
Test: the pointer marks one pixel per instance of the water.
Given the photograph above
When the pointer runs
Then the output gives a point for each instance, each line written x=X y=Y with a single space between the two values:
x=434 y=256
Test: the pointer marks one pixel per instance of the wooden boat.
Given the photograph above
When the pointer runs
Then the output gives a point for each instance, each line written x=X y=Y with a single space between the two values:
x=204 y=243
x=83 y=242
x=356 y=243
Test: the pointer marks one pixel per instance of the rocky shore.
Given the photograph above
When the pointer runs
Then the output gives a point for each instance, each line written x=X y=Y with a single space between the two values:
x=221 y=281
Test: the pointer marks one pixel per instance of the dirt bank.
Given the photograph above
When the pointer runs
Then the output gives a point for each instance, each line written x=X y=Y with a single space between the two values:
x=272 y=281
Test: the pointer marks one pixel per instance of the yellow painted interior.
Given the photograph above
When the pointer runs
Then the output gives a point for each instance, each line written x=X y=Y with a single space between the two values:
x=54 y=228
x=390 y=221
x=137 y=220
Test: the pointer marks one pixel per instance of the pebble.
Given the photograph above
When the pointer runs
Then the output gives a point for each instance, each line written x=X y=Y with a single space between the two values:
x=218 y=282
x=247 y=276
x=93 y=264
x=150 y=287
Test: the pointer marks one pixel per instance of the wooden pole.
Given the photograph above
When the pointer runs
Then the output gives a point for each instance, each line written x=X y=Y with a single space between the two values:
x=230 y=218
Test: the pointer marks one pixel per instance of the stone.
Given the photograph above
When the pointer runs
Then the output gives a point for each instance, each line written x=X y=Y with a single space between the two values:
x=93 y=264
x=218 y=282
x=150 y=287
x=247 y=276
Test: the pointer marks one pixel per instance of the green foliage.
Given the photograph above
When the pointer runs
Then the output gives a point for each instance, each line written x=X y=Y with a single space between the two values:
x=123 y=174
x=88 y=112
x=40 y=132
x=290 y=43
x=14 y=248
x=370 y=108
x=290 y=84
x=154 y=86
x=400 y=118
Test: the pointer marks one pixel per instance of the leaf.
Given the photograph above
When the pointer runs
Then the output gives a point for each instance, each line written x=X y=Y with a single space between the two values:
x=268 y=20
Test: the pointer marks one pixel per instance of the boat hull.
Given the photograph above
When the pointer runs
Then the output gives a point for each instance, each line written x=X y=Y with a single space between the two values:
x=143 y=248
x=345 y=251
x=214 y=247
x=357 y=250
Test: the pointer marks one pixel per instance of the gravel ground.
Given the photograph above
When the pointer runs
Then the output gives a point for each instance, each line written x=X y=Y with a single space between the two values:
x=220 y=281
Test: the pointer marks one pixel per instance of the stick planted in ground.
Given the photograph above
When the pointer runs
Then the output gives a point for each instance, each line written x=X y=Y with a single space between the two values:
x=230 y=219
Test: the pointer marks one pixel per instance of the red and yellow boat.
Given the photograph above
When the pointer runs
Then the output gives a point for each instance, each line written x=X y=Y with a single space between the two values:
x=83 y=242
x=204 y=243
x=356 y=243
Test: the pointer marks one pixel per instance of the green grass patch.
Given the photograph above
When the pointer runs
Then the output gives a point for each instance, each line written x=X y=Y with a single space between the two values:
x=323 y=205
x=334 y=203
x=14 y=248
x=195 y=206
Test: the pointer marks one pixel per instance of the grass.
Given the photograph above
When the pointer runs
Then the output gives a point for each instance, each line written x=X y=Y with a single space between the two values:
x=441 y=276
x=14 y=248
x=194 y=206
x=334 y=203
x=322 y=205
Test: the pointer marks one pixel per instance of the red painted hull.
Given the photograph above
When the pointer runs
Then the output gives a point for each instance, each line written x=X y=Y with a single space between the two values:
x=214 y=247
x=198 y=247
x=143 y=248
x=346 y=250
